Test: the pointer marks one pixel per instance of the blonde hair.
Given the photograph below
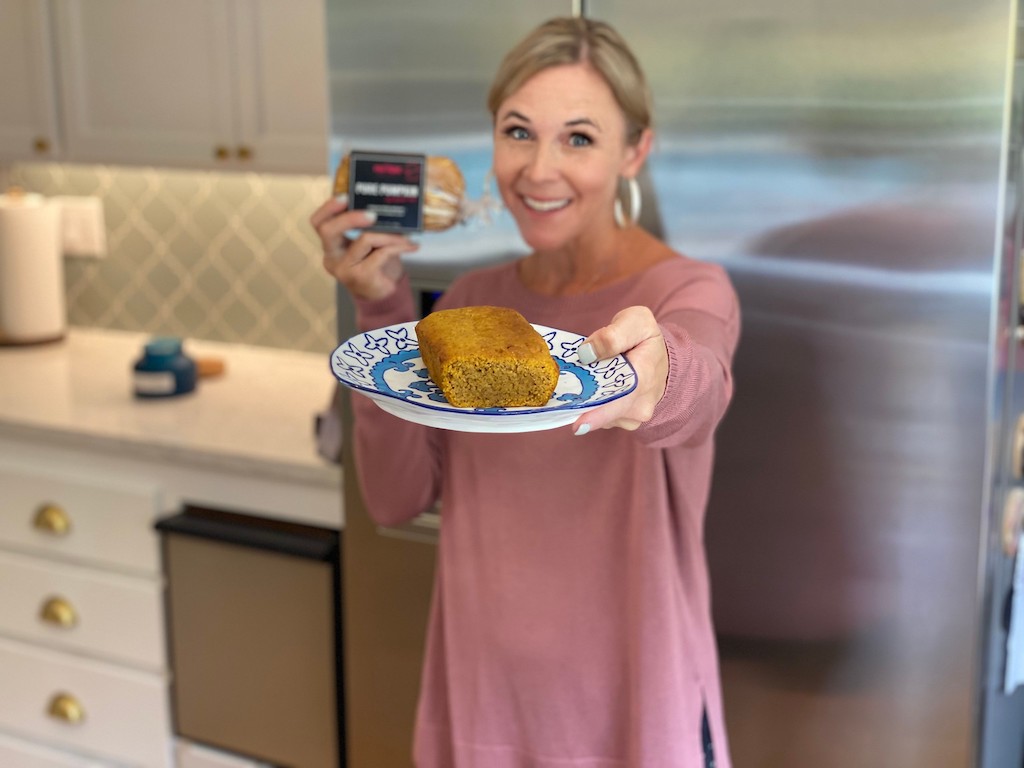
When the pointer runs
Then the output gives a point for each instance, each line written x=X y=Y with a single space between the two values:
x=572 y=40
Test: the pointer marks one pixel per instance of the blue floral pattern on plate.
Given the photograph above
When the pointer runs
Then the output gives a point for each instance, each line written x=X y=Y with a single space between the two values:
x=386 y=366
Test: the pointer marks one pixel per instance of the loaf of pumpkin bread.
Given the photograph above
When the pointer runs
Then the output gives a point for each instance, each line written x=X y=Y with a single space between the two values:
x=486 y=357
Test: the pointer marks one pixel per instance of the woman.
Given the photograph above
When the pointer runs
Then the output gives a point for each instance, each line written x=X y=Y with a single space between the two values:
x=571 y=620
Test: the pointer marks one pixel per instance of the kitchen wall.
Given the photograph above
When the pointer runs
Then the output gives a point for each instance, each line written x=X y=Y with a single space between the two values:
x=222 y=256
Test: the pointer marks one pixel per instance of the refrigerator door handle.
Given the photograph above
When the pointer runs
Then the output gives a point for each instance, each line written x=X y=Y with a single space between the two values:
x=1013 y=520
x=1017 y=451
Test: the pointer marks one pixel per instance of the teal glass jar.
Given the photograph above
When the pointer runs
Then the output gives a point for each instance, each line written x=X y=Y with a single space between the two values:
x=164 y=370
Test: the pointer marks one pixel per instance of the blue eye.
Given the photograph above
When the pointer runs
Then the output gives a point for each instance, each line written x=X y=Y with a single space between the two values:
x=517 y=132
x=580 y=140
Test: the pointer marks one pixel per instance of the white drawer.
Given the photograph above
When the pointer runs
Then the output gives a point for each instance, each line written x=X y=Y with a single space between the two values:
x=195 y=756
x=109 y=522
x=15 y=753
x=82 y=609
x=125 y=714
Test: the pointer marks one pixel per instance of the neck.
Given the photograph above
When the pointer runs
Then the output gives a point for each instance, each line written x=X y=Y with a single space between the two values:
x=574 y=271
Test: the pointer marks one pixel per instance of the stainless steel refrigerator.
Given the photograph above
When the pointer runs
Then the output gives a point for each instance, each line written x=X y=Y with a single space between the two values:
x=855 y=167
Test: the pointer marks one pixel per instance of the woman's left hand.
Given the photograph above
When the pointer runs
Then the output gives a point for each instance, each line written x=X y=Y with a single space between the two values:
x=635 y=333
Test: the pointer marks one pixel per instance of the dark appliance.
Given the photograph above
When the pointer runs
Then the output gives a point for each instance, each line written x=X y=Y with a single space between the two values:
x=254 y=620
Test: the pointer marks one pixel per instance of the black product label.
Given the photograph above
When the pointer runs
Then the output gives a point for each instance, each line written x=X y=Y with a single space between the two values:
x=391 y=185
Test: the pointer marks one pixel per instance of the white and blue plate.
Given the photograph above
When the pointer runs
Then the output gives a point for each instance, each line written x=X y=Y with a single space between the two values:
x=385 y=365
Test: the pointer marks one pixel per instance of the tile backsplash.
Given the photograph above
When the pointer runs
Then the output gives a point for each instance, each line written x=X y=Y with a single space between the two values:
x=220 y=256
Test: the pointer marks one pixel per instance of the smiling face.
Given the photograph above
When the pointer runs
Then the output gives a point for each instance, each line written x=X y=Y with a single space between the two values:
x=559 y=150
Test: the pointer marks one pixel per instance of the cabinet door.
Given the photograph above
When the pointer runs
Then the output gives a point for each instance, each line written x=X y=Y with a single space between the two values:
x=146 y=82
x=83 y=610
x=28 y=125
x=80 y=704
x=282 y=84
x=96 y=520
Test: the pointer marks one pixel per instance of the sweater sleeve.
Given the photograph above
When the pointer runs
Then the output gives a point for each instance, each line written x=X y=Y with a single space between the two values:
x=397 y=462
x=701 y=330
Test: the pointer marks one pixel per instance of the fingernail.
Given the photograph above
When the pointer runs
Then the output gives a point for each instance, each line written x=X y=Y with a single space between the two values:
x=371 y=216
x=342 y=198
x=585 y=354
x=582 y=429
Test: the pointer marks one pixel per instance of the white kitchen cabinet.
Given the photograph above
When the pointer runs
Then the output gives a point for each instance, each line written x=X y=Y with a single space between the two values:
x=281 y=62
x=230 y=84
x=85 y=472
x=86 y=706
x=82 y=638
x=144 y=82
x=79 y=517
x=28 y=116
x=83 y=610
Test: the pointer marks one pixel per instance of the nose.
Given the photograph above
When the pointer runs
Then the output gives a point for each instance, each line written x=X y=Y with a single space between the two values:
x=543 y=164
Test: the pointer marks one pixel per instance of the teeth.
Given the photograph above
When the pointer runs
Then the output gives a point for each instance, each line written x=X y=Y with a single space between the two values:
x=545 y=205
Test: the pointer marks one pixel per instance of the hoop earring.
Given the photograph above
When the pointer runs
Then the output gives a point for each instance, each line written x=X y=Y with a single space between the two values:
x=635 y=204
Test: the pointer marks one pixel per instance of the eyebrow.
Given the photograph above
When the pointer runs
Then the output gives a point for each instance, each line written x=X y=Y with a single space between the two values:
x=514 y=115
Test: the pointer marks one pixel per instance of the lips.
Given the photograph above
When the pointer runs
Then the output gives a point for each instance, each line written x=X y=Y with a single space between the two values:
x=545 y=206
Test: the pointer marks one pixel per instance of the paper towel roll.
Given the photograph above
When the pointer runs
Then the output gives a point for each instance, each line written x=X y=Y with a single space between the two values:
x=32 y=306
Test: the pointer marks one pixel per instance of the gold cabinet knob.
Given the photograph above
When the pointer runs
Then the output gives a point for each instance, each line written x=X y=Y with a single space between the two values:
x=52 y=519
x=66 y=708
x=59 y=612
x=245 y=153
x=41 y=145
x=221 y=152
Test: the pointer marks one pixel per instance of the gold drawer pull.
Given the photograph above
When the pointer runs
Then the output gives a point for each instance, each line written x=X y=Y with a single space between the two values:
x=66 y=708
x=244 y=153
x=220 y=152
x=59 y=612
x=52 y=519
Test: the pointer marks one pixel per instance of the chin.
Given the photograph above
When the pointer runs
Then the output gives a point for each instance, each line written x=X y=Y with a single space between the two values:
x=543 y=241
x=546 y=235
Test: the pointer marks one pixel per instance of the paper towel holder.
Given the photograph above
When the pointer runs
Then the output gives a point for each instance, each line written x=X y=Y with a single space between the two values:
x=83 y=228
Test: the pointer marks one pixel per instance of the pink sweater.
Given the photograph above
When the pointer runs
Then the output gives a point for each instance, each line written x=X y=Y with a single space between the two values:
x=571 y=623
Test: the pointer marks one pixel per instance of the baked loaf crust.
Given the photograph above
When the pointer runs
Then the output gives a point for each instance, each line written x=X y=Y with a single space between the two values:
x=443 y=193
x=487 y=357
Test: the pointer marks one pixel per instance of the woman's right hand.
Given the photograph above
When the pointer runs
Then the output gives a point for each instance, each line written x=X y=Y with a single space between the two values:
x=368 y=266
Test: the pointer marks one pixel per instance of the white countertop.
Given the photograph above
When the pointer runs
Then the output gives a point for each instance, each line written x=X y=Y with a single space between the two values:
x=256 y=418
